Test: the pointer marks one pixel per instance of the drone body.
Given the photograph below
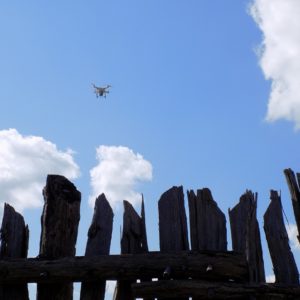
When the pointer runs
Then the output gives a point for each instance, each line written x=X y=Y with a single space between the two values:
x=101 y=91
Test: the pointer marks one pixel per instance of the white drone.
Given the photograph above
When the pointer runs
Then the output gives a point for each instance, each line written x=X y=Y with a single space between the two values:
x=101 y=91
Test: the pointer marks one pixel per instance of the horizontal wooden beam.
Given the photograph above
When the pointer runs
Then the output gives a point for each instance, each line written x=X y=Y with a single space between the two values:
x=208 y=265
x=211 y=290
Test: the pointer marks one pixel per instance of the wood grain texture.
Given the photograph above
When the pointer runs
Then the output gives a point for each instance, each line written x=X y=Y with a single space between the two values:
x=284 y=265
x=293 y=184
x=60 y=219
x=246 y=235
x=98 y=243
x=225 y=266
x=14 y=244
x=173 y=236
x=207 y=222
x=133 y=241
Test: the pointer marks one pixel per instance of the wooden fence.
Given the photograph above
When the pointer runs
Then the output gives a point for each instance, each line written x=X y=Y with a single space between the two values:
x=204 y=270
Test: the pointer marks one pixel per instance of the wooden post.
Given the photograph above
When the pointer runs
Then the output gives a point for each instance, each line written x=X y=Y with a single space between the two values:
x=207 y=222
x=59 y=222
x=133 y=241
x=284 y=265
x=238 y=221
x=133 y=230
x=246 y=236
x=254 y=254
x=99 y=239
x=14 y=244
x=295 y=194
x=144 y=241
x=173 y=234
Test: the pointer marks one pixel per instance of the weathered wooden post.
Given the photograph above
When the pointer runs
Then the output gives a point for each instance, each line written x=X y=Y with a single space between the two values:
x=133 y=241
x=173 y=234
x=14 y=244
x=59 y=222
x=246 y=236
x=295 y=194
x=99 y=239
x=284 y=265
x=207 y=222
x=144 y=241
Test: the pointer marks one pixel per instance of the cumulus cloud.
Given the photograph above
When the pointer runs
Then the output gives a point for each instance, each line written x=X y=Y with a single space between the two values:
x=117 y=173
x=25 y=162
x=292 y=232
x=279 y=55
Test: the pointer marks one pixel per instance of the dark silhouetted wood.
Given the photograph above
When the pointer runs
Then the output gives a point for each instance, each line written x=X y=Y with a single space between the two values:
x=295 y=194
x=225 y=266
x=254 y=254
x=246 y=235
x=144 y=240
x=238 y=222
x=133 y=241
x=59 y=222
x=99 y=239
x=214 y=290
x=206 y=272
x=173 y=235
x=207 y=222
x=14 y=244
x=133 y=230
x=284 y=265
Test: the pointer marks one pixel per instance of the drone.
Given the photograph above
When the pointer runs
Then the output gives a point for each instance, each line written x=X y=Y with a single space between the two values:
x=101 y=91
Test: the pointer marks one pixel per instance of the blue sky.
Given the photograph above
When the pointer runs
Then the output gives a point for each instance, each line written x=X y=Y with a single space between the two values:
x=202 y=96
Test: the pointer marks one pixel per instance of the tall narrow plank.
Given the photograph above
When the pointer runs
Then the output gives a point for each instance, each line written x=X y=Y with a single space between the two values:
x=144 y=240
x=284 y=265
x=14 y=244
x=246 y=235
x=173 y=236
x=207 y=222
x=238 y=222
x=132 y=235
x=295 y=194
x=254 y=253
x=59 y=222
x=99 y=239
x=132 y=242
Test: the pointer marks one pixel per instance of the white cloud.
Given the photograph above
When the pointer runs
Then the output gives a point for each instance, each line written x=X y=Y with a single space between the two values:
x=292 y=232
x=279 y=55
x=118 y=172
x=110 y=288
x=270 y=278
x=25 y=162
